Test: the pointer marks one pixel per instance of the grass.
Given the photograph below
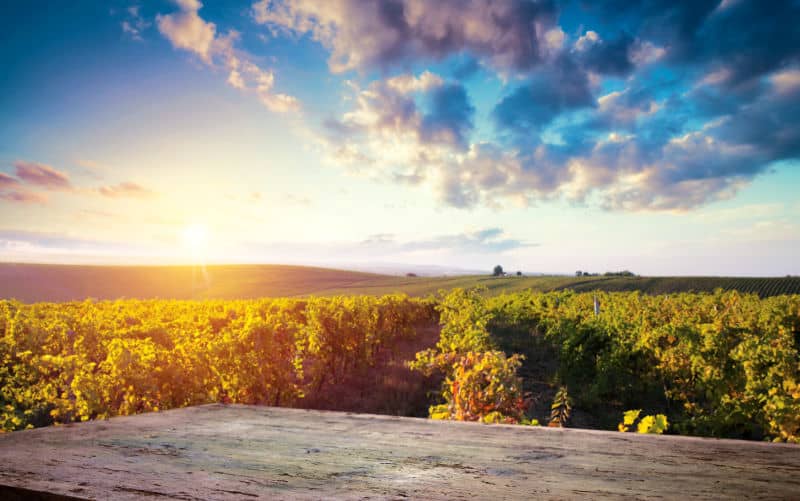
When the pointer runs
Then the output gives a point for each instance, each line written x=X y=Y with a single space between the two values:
x=34 y=282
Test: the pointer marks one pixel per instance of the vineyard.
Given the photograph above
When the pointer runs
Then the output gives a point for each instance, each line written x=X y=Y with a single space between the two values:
x=763 y=287
x=721 y=364
x=86 y=360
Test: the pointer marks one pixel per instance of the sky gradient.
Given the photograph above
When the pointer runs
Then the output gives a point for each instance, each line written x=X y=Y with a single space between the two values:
x=547 y=136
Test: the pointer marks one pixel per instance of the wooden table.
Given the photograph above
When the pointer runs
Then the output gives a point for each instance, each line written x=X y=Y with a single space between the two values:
x=244 y=452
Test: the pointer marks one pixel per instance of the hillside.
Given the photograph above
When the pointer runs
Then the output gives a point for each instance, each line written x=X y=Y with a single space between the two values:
x=34 y=282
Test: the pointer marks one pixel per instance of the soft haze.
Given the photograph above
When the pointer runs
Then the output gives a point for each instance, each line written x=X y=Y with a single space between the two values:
x=547 y=136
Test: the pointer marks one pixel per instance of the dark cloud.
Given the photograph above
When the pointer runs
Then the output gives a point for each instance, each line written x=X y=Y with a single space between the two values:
x=610 y=57
x=769 y=125
x=662 y=105
x=504 y=33
x=466 y=69
x=749 y=38
x=556 y=89
x=449 y=119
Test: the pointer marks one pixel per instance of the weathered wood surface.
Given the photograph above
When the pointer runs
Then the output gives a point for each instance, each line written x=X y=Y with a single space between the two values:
x=243 y=452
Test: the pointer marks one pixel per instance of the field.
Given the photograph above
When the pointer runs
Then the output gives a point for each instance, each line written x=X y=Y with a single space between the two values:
x=723 y=364
x=32 y=283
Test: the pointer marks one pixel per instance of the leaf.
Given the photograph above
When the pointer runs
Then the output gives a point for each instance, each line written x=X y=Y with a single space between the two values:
x=630 y=416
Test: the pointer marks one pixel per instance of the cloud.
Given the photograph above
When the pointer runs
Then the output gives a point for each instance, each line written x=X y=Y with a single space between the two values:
x=34 y=246
x=450 y=117
x=42 y=175
x=125 y=189
x=387 y=111
x=554 y=90
x=660 y=106
x=134 y=23
x=407 y=83
x=608 y=57
x=7 y=181
x=488 y=240
x=621 y=109
x=510 y=34
x=188 y=31
x=750 y=38
x=23 y=197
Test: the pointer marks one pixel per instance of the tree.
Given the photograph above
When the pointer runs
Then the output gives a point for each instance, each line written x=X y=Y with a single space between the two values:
x=498 y=271
x=578 y=273
x=519 y=273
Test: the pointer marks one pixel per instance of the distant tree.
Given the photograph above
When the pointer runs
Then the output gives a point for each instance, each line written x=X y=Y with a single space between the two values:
x=519 y=273
x=578 y=273
x=623 y=273
x=411 y=274
x=586 y=274
x=498 y=271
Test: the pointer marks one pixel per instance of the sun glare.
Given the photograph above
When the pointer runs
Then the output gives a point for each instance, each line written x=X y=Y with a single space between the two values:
x=195 y=239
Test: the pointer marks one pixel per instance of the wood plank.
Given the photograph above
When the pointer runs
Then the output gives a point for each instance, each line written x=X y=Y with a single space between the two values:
x=244 y=452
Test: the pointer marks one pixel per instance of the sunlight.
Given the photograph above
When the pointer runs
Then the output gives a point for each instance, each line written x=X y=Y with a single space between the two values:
x=195 y=238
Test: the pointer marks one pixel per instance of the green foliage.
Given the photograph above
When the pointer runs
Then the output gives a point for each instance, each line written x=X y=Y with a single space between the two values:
x=481 y=383
x=722 y=364
x=463 y=317
x=657 y=424
x=84 y=360
x=715 y=364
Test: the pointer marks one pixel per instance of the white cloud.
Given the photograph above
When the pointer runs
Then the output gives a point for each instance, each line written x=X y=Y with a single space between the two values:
x=405 y=84
x=644 y=52
x=134 y=23
x=786 y=81
x=587 y=40
x=186 y=30
x=554 y=39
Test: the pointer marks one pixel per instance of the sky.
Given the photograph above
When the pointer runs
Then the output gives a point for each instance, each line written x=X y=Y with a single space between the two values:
x=546 y=136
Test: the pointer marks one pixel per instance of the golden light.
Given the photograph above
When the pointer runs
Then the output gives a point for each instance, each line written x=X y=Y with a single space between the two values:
x=195 y=239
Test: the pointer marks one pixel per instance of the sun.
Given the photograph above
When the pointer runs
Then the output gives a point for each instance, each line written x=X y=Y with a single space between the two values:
x=195 y=239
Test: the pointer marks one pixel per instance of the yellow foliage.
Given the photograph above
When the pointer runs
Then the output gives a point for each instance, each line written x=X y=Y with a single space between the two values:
x=78 y=361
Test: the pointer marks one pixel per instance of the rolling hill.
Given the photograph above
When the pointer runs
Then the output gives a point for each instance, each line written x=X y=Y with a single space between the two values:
x=38 y=282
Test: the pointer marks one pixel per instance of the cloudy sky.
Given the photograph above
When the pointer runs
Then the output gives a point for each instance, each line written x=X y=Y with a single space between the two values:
x=547 y=136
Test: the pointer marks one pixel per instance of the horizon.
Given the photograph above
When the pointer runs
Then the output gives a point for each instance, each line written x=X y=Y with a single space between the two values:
x=544 y=136
x=384 y=269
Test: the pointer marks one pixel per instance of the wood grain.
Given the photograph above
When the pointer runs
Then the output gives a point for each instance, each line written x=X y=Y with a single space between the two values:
x=244 y=452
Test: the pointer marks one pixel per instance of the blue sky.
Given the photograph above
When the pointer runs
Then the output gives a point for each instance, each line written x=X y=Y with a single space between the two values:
x=547 y=136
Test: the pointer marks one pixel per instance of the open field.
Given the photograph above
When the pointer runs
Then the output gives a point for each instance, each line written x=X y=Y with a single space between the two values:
x=33 y=282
